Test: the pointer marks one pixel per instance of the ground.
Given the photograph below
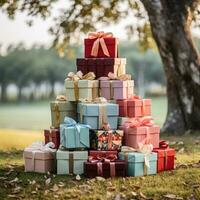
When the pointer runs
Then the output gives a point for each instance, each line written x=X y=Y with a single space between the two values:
x=181 y=183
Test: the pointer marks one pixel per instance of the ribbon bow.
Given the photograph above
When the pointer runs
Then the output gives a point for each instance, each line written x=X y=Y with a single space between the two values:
x=69 y=122
x=99 y=41
x=61 y=98
x=112 y=76
x=163 y=144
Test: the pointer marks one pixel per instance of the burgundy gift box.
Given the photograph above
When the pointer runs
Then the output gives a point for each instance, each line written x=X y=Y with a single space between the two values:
x=52 y=135
x=105 y=169
x=101 y=66
x=111 y=45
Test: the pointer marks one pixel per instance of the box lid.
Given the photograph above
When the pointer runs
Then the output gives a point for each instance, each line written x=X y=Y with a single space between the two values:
x=139 y=102
x=38 y=155
x=92 y=109
x=137 y=156
x=113 y=83
x=88 y=83
x=143 y=130
x=77 y=155
x=63 y=106
x=108 y=41
x=164 y=152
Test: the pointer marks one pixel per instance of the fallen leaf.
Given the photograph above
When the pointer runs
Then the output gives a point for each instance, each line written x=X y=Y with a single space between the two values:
x=55 y=188
x=134 y=194
x=109 y=195
x=12 y=196
x=142 y=195
x=16 y=190
x=78 y=178
x=3 y=178
x=123 y=188
x=99 y=178
x=15 y=180
x=56 y=196
x=48 y=181
x=117 y=197
x=170 y=196
x=33 y=192
x=181 y=150
x=61 y=184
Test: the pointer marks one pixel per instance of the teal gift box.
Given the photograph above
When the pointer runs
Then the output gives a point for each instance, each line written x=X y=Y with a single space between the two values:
x=71 y=162
x=95 y=114
x=74 y=135
x=136 y=165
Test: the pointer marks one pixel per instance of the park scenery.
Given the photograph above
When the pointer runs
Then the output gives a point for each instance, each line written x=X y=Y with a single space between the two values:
x=100 y=99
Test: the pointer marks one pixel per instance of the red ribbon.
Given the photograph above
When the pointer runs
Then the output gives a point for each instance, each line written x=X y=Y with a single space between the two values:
x=163 y=144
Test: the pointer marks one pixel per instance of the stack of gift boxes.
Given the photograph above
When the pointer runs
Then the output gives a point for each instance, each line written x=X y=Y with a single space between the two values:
x=100 y=128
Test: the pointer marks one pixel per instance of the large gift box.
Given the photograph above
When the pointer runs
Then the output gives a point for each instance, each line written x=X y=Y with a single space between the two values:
x=102 y=66
x=116 y=89
x=134 y=107
x=52 y=135
x=60 y=109
x=136 y=165
x=101 y=45
x=96 y=114
x=78 y=89
x=110 y=139
x=139 y=130
x=71 y=162
x=166 y=157
x=39 y=158
x=74 y=135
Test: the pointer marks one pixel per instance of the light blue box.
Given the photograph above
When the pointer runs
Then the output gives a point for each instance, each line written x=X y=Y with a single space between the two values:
x=90 y=114
x=135 y=165
x=73 y=135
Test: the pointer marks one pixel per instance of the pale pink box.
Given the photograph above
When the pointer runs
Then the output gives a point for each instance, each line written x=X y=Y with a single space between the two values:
x=136 y=135
x=116 y=89
x=39 y=161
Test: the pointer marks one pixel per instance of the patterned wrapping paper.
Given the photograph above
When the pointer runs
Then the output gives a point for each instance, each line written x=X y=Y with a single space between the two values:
x=109 y=140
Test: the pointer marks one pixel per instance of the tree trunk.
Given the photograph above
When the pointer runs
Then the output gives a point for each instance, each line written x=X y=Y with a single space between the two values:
x=52 y=93
x=3 y=92
x=19 y=95
x=170 y=23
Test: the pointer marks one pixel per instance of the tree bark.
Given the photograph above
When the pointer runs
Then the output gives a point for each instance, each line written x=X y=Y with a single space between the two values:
x=170 y=23
x=3 y=92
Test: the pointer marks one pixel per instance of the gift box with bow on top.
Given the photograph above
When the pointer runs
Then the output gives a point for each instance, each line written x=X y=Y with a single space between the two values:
x=79 y=86
x=116 y=87
x=74 y=135
x=40 y=158
x=52 y=135
x=60 y=109
x=71 y=162
x=134 y=107
x=138 y=163
x=166 y=157
x=105 y=166
x=140 y=129
x=101 y=66
x=97 y=113
x=101 y=45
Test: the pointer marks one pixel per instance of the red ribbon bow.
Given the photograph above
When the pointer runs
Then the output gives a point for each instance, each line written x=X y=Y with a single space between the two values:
x=163 y=144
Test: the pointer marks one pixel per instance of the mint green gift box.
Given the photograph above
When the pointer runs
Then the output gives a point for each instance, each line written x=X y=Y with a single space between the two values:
x=74 y=135
x=85 y=89
x=136 y=165
x=71 y=162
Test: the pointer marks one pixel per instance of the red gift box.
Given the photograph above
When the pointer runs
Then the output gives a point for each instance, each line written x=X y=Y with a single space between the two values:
x=134 y=107
x=52 y=135
x=101 y=45
x=101 y=66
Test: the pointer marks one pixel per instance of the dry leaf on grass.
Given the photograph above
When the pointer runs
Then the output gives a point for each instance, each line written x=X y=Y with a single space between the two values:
x=16 y=190
x=15 y=180
x=142 y=195
x=134 y=194
x=118 y=197
x=78 y=178
x=173 y=196
x=182 y=150
x=48 y=181
x=55 y=188
x=61 y=184
x=99 y=178
x=33 y=192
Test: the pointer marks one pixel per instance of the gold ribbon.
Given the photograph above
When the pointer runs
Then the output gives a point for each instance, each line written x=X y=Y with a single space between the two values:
x=76 y=77
x=99 y=41
x=166 y=158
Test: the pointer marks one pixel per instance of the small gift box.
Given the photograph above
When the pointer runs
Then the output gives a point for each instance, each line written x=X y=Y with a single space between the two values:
x=52 y=135
x=97 y=113
x=166 y=157
x=109 y=140
x=101 y=45
x=117 y=89
x=71 y=162
x=102 y=66
x=134 y=107
x=39 y=158
x=136 y=163
x=139 y=130
x=74 y=135
x=78 y=86
x=105 y=166
x=60 y=109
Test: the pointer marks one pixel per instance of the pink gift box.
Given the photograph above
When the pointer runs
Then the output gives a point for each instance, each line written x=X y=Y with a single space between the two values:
x=39 y=161
x=116 y=89
x=133 y=136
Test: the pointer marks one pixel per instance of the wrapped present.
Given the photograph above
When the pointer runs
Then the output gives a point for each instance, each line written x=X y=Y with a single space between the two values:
x=106 y=167
x=101 y=45
x=79 y=86
x=71 y=162
x=116 y=87
x=40 y=157
x=166 y=157
x=139 y=130
x=60 y=109
x=103 y=154
x=74 y=135
x=102 y=66
x=110 y=139
x=138 y=163
x=52 y=135
x=97 y=113
x=134 y=107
